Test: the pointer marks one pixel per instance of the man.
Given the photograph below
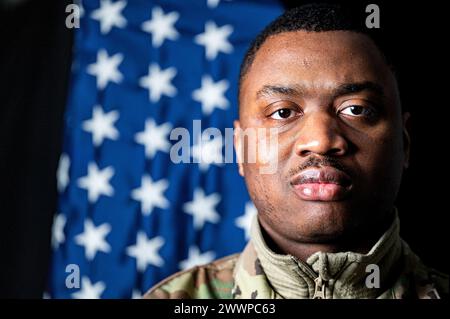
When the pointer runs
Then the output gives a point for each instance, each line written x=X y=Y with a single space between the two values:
x=326 y=225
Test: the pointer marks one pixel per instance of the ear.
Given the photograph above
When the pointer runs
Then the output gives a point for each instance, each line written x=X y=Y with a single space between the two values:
x=406 y=137
x=238 y=146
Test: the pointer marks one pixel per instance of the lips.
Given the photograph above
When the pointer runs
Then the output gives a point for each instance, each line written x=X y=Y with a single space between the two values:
x=322 y=184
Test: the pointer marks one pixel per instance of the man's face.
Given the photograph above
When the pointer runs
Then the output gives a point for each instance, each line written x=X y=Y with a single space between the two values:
x=341 y=143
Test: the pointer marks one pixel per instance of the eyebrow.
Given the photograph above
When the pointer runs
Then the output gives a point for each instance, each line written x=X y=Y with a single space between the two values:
x=299 y=90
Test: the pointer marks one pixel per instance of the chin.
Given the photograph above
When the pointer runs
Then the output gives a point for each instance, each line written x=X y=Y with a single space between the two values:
x=322 y=222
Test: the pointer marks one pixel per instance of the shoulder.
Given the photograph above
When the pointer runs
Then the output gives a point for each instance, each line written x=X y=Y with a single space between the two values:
x=428 y=283
x=432 y=284
x=210 y=281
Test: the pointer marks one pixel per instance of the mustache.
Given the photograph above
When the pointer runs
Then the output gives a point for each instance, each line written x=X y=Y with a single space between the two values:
x=317 y=162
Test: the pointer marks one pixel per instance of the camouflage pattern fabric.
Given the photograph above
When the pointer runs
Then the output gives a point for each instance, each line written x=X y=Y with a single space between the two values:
x=243 y=276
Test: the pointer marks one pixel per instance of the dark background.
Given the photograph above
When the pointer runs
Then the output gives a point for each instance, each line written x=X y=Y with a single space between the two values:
x=35 y=56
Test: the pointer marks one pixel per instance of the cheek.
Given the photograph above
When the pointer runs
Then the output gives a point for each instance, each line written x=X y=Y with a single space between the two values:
x=267 y=147
x=380 y=156
x=262 y=150
x=263 y=189
x=385 y=144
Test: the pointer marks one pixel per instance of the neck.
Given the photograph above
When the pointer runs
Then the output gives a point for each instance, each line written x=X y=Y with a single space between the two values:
x=359 y=241
x=337 y=268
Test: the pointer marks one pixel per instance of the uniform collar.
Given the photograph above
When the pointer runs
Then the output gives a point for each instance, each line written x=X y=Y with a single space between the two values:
x=262 y=273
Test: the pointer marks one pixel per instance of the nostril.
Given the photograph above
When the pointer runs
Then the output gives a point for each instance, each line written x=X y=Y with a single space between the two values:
x=335 y=151
x=305 y=152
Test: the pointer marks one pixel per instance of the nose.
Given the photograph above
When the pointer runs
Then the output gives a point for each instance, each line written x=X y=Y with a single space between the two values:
x=320 y=134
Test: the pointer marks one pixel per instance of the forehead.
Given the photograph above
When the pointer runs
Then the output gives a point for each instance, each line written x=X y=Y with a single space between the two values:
x=318 y=60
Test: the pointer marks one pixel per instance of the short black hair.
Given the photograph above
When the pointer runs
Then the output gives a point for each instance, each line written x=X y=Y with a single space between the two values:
x=317 y=17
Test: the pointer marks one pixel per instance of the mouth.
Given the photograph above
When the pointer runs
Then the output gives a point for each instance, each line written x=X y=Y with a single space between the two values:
x=322 y=184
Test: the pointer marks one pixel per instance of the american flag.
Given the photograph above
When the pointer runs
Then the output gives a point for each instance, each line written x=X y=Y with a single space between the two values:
x=129 y=216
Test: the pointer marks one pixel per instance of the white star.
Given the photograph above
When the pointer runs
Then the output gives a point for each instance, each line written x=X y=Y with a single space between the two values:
x=207 y=152
x=202 y=208
x=136 y=294
x=211 y=95
x=146 y=251
x=245 y=221
x=89 y=290
x=106 y=68
x=58 y=237
x=161 y=26
x=196 y=259
x=215 y=39
x=93 y=239
x=101 y=125
x=158 y=82
x=154 y=137
x=150 y=194
x=62 y=174
x=213 y=3
x=110 y=15
x=96 y=182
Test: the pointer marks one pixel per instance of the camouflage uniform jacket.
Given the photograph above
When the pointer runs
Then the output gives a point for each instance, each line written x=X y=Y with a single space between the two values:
x=258 y=272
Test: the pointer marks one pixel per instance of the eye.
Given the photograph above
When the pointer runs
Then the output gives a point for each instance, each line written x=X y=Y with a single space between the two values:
x=357 y=111
x=282 y=114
